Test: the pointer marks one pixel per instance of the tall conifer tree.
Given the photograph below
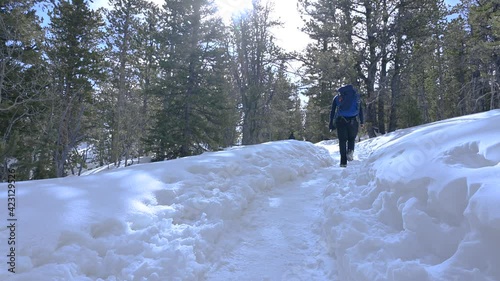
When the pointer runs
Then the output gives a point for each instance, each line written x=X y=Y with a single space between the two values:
x=22 y=86
x=124 y=20
x=255 y=69
x=192 y=91
x=74 y=53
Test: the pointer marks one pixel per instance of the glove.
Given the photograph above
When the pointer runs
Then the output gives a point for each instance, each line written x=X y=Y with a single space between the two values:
x=331 y=126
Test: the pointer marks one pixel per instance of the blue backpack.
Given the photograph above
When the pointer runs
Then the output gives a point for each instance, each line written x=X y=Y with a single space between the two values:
x=348 y=102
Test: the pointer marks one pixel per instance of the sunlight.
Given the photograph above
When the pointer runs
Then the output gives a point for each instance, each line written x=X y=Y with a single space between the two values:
x=229 y=8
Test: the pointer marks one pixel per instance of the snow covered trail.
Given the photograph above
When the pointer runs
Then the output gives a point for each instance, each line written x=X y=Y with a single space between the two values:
x=279 y=236
x=418 y=204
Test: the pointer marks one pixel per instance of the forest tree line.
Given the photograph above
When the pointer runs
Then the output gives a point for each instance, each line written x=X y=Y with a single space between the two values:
x=175 y=80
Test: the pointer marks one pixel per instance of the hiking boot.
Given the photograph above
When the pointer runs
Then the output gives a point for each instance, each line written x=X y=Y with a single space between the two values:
x=350 y=155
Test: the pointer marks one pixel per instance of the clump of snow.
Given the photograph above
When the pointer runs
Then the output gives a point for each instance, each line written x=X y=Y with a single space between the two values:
x=424 y=204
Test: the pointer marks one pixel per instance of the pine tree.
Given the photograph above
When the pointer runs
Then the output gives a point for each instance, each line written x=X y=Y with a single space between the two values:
x=281 y=109
x=123 y=24
x=484 y=45
x=191 y=90
x=327 y=60
x=74 y=53
x=147 y=56
x=22 y=85
x=254 y=59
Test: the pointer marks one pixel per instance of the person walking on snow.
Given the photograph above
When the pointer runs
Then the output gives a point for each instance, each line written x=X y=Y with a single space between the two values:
x=346 y=108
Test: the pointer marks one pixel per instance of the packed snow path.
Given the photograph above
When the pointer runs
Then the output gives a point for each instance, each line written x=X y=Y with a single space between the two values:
x=279 y=236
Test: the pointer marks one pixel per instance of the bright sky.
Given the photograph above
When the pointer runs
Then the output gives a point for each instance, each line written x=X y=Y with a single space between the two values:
x=229 y=7
x=288 y=37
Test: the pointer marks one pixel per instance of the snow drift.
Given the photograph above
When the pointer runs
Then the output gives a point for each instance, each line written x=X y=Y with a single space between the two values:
x=424 y=204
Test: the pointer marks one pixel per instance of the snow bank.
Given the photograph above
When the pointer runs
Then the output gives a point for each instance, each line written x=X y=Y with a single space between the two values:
x=149 y=221
x=424 y=204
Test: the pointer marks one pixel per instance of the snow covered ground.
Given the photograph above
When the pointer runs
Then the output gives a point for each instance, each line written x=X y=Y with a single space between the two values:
x=417 y=204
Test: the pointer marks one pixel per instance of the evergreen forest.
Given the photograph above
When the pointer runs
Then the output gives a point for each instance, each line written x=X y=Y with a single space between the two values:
x=174 y=80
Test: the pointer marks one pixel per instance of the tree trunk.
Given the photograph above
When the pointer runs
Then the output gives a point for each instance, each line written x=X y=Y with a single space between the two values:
x=382 y=94
x=371 y=116
x=422 y=97
x=492 y=98
x=249 y=121
x=442 y=88
x=395 y=87
x=119 y=122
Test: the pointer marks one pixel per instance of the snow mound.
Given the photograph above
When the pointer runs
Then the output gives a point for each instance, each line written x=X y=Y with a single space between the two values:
x=149 y=221
x=423 y=205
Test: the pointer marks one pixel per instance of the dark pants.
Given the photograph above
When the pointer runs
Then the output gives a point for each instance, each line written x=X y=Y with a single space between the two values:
x=347 y=129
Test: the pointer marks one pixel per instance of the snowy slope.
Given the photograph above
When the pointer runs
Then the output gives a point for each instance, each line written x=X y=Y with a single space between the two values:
x=423 y=204
x=417 y=204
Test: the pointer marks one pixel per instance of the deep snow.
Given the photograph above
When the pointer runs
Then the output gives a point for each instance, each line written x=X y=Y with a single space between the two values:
x=418 y=204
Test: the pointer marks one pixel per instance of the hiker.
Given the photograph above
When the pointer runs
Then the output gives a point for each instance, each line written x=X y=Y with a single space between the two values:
x=346 y=108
